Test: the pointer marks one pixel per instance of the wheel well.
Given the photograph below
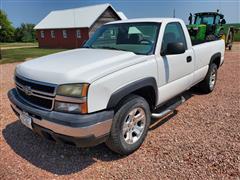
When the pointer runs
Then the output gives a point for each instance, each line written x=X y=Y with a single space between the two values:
x=146 y=88
x=217 y=61
x=148 y=93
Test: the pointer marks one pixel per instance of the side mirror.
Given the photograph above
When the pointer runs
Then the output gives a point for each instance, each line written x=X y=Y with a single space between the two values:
x=174 y=48
x=223 y=21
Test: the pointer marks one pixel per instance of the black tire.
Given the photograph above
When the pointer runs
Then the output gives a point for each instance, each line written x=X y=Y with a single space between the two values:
x=222 y=36
x=211 y=37
x=230 y=40
x=116 y=141
x=206 y=86
x=221 y=33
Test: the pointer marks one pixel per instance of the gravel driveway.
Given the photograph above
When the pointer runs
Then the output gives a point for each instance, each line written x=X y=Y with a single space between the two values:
x=200 y=140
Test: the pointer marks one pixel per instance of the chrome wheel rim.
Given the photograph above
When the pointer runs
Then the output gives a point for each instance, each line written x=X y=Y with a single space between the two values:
x=212 y=79
x=134 y=125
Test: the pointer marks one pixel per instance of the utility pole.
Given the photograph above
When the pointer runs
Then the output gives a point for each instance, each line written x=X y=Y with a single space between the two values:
x=0 y=46
x=174 y=13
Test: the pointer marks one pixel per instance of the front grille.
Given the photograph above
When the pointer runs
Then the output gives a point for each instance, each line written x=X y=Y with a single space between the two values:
x=41 y=102
x=35 y=86
x=36 y=93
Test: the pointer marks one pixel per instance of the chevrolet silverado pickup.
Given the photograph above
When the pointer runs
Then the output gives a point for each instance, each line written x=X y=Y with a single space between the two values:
x=110 y=89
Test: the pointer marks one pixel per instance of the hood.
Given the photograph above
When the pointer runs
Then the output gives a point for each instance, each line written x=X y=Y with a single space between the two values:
x=77 y=66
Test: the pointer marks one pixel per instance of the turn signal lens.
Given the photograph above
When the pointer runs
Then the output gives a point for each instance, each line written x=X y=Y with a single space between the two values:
x=67 y=107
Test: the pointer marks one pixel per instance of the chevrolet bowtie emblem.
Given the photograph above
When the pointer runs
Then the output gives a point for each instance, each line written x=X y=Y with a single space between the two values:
x=27 y=90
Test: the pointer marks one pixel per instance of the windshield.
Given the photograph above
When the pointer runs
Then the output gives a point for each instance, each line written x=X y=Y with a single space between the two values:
x=207 y=19
x=139 y=38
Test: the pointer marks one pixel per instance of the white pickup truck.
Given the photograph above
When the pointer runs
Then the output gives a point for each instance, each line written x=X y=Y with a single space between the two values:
x=109 y=90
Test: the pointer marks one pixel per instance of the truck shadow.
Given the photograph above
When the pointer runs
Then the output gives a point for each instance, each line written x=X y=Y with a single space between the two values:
x=155 y=123
x=59 y=159
x=63 y=159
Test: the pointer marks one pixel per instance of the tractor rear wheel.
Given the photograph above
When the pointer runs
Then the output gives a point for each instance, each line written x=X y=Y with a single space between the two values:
x=222 y=35
x=211 y=37
x=230 y=40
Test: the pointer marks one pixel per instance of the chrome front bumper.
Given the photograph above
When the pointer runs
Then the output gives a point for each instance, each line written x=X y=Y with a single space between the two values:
x=72 y=125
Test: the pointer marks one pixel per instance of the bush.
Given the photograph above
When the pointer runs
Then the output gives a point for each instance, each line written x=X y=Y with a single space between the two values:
x=7 y=30
x=25 y=33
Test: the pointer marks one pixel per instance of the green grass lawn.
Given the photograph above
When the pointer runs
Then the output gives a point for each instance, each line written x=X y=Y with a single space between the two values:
x=17 y=44
x=22 y=54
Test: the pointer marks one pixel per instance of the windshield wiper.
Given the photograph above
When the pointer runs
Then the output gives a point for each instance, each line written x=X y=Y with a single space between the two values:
x=88 y=47
x=113 y=48
x=107 y=47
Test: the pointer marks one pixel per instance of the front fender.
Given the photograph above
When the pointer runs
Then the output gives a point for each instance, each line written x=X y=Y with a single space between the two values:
x=130 y=88
x=107 y=91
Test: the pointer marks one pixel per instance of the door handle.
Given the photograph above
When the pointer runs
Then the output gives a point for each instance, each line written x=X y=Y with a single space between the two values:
x=189 y=59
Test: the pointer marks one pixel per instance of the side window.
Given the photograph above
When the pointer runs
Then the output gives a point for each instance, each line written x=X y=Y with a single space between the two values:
x=42 y=34
x=208 y=20
x=217 y=20
x=173 y=33
x=78 y=33
x=64 y=34
x=52 y=34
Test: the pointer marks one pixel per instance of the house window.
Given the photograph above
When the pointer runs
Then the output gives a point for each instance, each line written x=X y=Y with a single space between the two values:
x=78 y=33
x=42 y=34
x=64 y=34
x=52 y=34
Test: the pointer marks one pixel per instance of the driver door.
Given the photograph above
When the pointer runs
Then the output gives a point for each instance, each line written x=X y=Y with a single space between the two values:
x=175 y=71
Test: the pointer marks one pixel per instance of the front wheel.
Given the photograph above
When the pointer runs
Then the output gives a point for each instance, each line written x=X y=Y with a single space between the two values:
x=208 y=84
x=130 y=125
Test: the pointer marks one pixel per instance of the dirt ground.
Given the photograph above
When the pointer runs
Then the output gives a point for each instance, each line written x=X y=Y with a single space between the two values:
x=201 y=140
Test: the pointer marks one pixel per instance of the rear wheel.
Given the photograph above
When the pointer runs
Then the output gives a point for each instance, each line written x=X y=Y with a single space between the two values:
x=230 y=40
x=211 y=37
x=208 y=84
x=130 y=125
x=222 y=35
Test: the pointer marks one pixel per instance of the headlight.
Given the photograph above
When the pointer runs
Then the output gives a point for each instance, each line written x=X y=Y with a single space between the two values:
x=73 y=90
x=67 y=107
x=72 y=98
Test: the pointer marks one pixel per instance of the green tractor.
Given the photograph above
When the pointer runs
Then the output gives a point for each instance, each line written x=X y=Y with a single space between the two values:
x=210 y=26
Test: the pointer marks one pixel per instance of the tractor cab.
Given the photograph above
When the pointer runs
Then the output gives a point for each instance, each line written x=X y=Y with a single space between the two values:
x=209 y=18
x=206 y=26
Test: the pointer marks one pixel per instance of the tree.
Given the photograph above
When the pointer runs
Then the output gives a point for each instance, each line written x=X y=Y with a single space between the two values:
x=25 y=33
x=7 y=30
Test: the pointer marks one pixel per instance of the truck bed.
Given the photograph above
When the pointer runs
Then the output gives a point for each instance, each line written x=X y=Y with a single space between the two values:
x=203 y=51
x=196 y=42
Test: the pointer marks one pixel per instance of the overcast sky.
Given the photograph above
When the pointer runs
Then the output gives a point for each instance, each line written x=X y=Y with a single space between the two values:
x=32 y=11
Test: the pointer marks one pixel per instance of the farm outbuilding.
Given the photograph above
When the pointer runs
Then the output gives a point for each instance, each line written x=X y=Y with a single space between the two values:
x=70 y=28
